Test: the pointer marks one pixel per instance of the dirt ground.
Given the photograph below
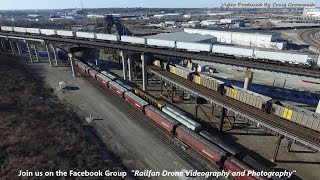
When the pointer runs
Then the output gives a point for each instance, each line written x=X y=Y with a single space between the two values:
x=37 y=132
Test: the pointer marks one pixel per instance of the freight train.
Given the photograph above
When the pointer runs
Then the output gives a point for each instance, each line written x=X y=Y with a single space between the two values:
x=297 y=115
x=219 y=152
x=217 y=49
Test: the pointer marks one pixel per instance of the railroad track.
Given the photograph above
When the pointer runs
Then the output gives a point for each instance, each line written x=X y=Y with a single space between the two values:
x=309 y=37
x=152 y=128
x=301 y=132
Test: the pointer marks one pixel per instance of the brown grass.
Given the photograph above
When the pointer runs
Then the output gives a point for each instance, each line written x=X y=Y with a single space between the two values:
x=37 y=132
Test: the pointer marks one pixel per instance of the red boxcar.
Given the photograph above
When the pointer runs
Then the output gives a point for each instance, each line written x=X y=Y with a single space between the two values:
x=103 y=79
x=93 y=73
x=233 y=165
x=165 y=121
x=199 y=144
x=116 y=88
x=81 y=66
x=87 y=69
x=135 y=100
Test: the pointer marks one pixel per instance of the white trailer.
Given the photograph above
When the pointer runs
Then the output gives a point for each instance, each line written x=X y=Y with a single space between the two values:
x=161 y=43
x=65 y=33
x=232 y=50
x=48 y=32
x=134 y=40
x=19 y=29
x=7 y=28
x=87 y=35
x=33 y=30
x=197 y=47
x=289 y=57
x=108 y=37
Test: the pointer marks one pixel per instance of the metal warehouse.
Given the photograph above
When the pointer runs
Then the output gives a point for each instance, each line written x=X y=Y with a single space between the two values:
x=185 y=37
x=260 y=39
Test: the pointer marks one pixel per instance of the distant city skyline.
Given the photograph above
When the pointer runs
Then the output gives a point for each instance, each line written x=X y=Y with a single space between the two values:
x=66 y=4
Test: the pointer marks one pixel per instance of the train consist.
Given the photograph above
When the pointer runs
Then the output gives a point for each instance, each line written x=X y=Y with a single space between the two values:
x=214 y=149
x=217 y=49
x=305 y=118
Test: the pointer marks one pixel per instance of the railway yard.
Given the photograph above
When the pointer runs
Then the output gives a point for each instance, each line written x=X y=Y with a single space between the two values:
x=125 y=130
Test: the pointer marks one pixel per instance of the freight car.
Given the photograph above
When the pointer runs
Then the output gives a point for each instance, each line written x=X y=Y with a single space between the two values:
x=202 y=146
x=181 y=117
x=222 y=143
x=148 y=98
x=162 y=119
x=297 y=115
x=194 y=47
x=135 y=100
x=251 y=98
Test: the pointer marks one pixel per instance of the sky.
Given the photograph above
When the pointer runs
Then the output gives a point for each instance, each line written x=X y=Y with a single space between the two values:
x=62 y=4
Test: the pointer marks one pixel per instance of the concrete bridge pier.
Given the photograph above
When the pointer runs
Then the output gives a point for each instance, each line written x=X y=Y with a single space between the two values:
x=36 y=52
x=145 y=59
x=49 y=55
x=19 y=48
x=248 y=79
x=71 y=58
x=54 y=54
x=124 y=57
x=130 y=66
x=3 y=46
x=29 y=51
x=11 y=46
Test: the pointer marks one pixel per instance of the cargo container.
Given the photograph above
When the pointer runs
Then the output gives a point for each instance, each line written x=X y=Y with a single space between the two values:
x=164 y=120
x=221 y=143
x=211 y=83
x=161 y=43
x=103 y=79
x=87 y=35
x=134 y=40
x=108 y=37
x=172 y=69
x=135 y=100
x=232 y=50
x=251 y=98
x=157 y=63
x=33 y=30
x=66 y=33
x=48 y=32
x=6 y=28
x=233 y=165
x=196 y=47
x=182 y=72
x=290 y=57
x=199 y=144
x=20 y=29
x=297 y=115
x=116 y=88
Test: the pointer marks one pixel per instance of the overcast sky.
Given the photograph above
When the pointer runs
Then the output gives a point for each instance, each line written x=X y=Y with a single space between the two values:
x=62 y=4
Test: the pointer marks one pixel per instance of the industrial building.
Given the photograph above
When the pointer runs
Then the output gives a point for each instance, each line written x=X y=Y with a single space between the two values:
x=185 y=37
x=261 y=39
x=312 y=12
